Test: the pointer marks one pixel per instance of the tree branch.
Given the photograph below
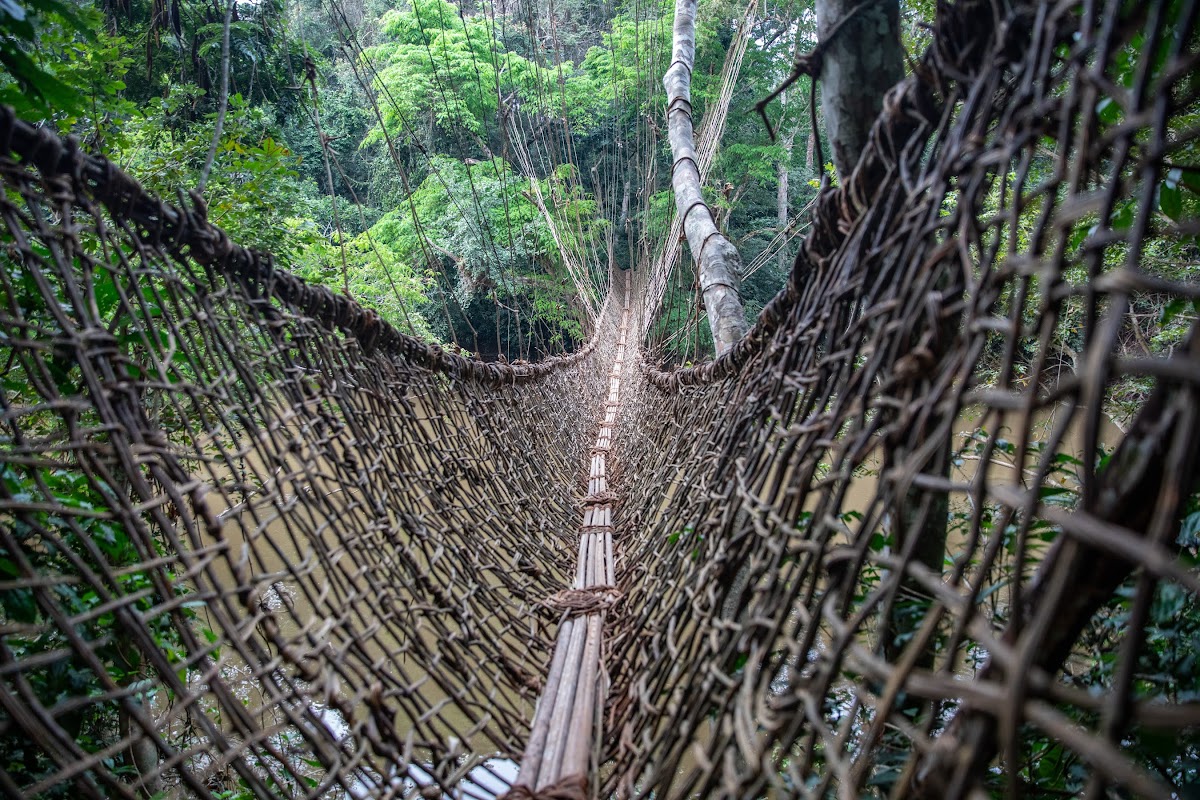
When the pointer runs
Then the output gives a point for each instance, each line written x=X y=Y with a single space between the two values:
x=222 y=102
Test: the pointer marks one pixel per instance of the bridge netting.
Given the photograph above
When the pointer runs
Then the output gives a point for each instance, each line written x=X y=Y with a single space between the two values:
x=254 y=539
x=255 y=542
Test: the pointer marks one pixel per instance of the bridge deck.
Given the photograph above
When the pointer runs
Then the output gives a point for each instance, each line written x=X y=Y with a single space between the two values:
x=570 y=708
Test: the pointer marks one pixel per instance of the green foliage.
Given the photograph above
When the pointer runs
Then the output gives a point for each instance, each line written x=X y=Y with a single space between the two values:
x=76 y=534
x=437 y=62
x=480 y=221
x=1167 y=670
x=58 y=66
x=1170 y=650
x=1168 y=661
x=255 y=192
x=613 y=75
x=448 y=81
x=1155 y=323
x=379 y=276
x=753 y=161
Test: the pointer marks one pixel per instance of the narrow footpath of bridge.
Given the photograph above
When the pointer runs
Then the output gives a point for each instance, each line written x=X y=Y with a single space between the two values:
x=570 y=709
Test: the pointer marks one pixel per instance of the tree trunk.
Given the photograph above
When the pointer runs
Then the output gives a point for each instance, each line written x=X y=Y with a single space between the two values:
x=860 y=64
x=624 y=206
x=781 y=194
x=717 y=259
x=141 y=755
x=862 y=60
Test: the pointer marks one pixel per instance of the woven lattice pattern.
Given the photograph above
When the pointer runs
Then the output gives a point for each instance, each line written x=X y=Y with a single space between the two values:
x=883 y=542
x=255 y=542
x=251 y=538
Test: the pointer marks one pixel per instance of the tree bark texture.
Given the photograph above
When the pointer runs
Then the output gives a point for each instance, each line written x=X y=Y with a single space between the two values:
x=782 y=210
x=859 y=65
x=715 y=255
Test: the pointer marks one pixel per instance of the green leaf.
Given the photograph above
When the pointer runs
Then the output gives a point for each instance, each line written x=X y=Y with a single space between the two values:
x=41 y=83
x=1122 y=217
x=19 y=605
x=1108 y=111
x=1170 y=201
x=1172 y=309
x=989 y=591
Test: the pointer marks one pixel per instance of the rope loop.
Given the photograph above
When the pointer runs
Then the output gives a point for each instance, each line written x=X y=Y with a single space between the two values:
x=581 y=602
x=600 y=499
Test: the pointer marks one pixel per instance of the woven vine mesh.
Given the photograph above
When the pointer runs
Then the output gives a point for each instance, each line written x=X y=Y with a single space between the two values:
x=896 y=535
x=252 y=539
x=255 y=542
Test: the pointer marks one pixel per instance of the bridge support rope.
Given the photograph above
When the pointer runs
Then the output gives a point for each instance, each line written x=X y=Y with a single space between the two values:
x=570 y=709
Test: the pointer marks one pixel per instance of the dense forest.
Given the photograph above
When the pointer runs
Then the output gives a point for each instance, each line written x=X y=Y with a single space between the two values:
x=407 y=153
x=474 y=171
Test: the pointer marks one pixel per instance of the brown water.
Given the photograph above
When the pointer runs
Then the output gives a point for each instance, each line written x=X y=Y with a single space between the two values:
x=969 y=434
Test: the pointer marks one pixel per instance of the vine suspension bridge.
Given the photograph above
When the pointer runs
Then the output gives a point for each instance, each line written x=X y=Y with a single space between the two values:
x=299 y=553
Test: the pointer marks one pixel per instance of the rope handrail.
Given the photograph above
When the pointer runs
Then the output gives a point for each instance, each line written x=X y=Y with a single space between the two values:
x=188 y=231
